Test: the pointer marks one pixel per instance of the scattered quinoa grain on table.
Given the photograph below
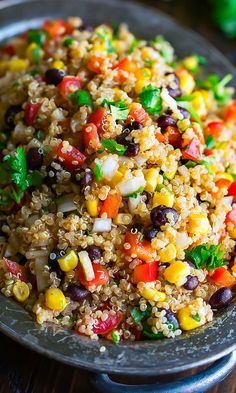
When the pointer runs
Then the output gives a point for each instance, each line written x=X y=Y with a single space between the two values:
x=118 y=190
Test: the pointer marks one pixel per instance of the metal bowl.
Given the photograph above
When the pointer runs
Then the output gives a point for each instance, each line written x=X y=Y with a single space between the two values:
x=199 y=347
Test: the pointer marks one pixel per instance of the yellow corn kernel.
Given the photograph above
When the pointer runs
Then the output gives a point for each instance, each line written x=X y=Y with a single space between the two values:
x=118 y=176
x=163 y=198
x=198 y=104
x=146 y=52
x=3 y=66
x=143 y=73
x=186 y=81
x=170 y=174
x=58 y=64
x=21 y=291
x=208 y=99
x=199 y=223
x=168 y=253
x=123 y=219
x=92 y=207
x=31 y=55
x=55 y=299
x=140 y=84
x=99 y=47
x=190 y=62
x=152 y=178
x=187 y=321
x=69 y=261
x=177 y=272
x=232 y=233
x=153 y=294
x=18 y=65
x=227 y=176
x=123 y=169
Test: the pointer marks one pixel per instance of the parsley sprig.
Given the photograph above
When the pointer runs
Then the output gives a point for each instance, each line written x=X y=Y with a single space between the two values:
x=119 y=109
x=206 y=256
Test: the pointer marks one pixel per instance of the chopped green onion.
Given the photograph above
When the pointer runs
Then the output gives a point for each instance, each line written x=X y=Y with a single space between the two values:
x=115 y=336
x=210 y=142
x=112 y=146
x=97 y=171
x=196 y=317
x=81 y=98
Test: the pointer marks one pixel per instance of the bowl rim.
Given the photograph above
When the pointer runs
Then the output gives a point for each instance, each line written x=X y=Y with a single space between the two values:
x=118 y=368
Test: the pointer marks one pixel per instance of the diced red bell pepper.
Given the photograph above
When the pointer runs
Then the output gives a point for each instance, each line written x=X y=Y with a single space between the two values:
x=31 y=112
x=209 y=152
x=223 y=183
x=222 y=277
x=160 y=137
x=90 y=136
x=126 y=64
x=215 y=128
x=104 y=327
x=8 y=50
x=232 y=190
x=173 y=136
x=15 y=268
x=95 y=64
x=101 y=276
x=71 y=158
x=146 y=273
x=231 y=217
x=192 y=151
x=137 y=113
x=68 y=85
x=142 y=249
x=230 y=114
x=57 y=28
x=111 y=205
x=99 y=118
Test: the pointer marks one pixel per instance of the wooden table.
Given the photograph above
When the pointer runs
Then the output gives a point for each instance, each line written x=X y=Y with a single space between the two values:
x=36 y=374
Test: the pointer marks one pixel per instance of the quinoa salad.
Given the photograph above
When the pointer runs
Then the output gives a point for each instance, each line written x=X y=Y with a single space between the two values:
x=118 y=190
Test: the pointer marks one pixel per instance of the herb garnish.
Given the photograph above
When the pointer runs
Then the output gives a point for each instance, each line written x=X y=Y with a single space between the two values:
x=196 y=317
x=151 y=100
x=113 y=147
x=206 y=256
x=221 y=93
x=119 y=109
x=81 y=97
x=210 y=142
x=97 y=171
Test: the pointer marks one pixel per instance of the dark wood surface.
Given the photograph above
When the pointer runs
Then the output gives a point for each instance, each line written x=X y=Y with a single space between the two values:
x=33 y=373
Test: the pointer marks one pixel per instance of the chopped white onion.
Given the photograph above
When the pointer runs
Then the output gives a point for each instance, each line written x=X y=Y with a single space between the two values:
x=66 y=203
x=227 y=200
x=130 y=186
x=41 y=278
x=109 y=167
x=86 y=265
x=102 y=225
x=171 y=103
x=133 y=203
x=140 y=160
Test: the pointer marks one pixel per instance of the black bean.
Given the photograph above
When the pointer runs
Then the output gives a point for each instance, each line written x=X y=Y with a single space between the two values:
x=86 y=178
x=184 y=112
x=132 y=149
x=174 y=92
x=150 y=233
x=51 y=177
x=191 y=283
x=76 y=292
x=53 y=264
x=122 y=137
x=34 y=158
x=147 y=196
x=10 y=115
x=94 y=252
x=165 y=121
x=135 y=125
x=161 y=215
x=85 y=27
x=171 y=318
x=174 y=89
x=191 y=264
x=221 y=298
x=54 y=76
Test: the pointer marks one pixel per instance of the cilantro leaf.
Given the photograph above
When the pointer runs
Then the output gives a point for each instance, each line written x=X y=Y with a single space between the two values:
x=17 y=164
x=151 y=100
x=81 y=97
x=34 y=178
x=210 y=142
x=193 y=113
x=139 y=315
x=104 y=33
x=97 y=171
x=218 y=87
x=118 y=109
x=133 y=45
x=112 y=146
x=206 y=256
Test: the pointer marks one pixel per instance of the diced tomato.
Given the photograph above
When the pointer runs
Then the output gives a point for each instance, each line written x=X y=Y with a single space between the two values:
x=214 y=128
x=173 y=136
x=230 y=114
x=142 y=249
x=101 y=276
x=31 y=112
x=95 y=64
x=8 y=50
x=111 y=205
x=221 y=184
x=57 y=28
x=104 y=327
x=90 y=136
x=137 y=113
x=15 y=268
x=232 y=190
x=222 y=277
x=68 y=85
x=146 y=273
x=70 y=157
x=192 y=151
x=99 y=118
x=160 y=137
x=231 y=217
x=209 y=152
x=126 y=64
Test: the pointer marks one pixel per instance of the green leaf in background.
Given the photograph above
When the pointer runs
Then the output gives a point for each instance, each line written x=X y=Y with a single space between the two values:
x=224 y=16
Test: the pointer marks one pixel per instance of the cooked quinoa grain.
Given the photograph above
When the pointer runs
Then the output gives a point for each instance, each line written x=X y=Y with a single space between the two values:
x=117 y=168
